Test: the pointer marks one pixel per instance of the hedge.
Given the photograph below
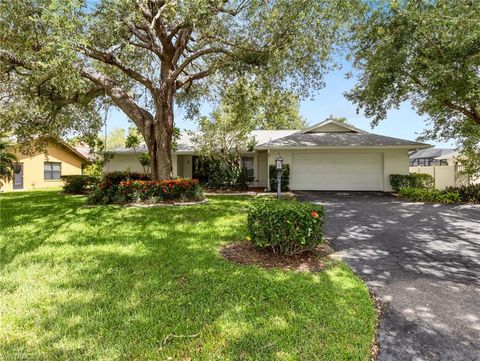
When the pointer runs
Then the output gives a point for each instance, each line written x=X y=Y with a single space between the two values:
x=285 y=177
x=79 y=184
x=413 y=180
x=285 y=226
x=429 y=195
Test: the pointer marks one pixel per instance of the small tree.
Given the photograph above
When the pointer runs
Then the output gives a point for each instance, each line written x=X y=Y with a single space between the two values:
x=226 y=134
x=7 y=162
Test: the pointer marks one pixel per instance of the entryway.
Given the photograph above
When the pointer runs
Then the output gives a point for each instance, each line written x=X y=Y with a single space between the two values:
x=18 y=176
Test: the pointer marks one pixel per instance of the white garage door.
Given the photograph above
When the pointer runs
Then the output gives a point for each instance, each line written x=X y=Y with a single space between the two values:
x=337 y=171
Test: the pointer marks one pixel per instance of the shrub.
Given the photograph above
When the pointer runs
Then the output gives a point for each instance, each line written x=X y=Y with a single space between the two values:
x=285 y=177
x=413 y=180
x=79 y=184
x=148 y=191
x=429 y=195
x=468 y=193
x=114 y=178
x=285 y=226
x=218 y=175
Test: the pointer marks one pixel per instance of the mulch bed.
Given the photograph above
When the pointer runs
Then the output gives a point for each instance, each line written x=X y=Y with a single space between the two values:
x=245 y=253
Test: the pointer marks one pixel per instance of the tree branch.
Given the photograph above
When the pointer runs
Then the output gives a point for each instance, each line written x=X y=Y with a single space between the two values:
x=197 y=55
x=109 y=58
x=12 y=59
x=125 y=102
x=191 y=78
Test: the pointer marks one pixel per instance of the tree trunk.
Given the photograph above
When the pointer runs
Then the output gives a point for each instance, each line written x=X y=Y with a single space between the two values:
x=158 y=136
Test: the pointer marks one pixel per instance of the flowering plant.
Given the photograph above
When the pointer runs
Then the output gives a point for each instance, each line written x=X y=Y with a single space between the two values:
x=141 y=190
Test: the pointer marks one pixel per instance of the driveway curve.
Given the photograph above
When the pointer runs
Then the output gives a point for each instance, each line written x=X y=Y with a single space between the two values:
x=422 y=261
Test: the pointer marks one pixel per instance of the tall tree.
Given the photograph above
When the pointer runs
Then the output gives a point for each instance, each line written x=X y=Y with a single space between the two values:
x=56 y=57
x=427 y=52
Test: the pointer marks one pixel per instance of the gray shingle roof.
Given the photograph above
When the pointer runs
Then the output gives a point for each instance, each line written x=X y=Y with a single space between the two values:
x=265 y=139
x=431 y=153
x=307 y=140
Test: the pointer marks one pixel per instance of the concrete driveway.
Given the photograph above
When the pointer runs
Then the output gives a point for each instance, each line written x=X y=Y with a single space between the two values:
x=423 y=260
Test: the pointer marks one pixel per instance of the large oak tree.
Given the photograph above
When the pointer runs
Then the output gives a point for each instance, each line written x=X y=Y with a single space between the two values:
x=58 y=59
x=427 y=52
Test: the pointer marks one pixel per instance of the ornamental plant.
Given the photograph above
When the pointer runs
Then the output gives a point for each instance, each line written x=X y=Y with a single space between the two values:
x=146 y=191
x=285 y=226
x=79 y=184
x=430 y=195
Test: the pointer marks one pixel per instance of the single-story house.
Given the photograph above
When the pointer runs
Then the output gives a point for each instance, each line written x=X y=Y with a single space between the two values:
x=44 y=169
x=330 y=155
x=429 y=157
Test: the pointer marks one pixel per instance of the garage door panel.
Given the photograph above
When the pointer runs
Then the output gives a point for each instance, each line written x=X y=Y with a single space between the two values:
x=337 y=171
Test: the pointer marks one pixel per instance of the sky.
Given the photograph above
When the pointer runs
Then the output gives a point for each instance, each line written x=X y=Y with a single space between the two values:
x=403 y=123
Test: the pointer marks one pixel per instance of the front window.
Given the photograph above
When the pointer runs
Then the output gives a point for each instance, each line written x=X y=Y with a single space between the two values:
x=52 y=170
x=248 y=164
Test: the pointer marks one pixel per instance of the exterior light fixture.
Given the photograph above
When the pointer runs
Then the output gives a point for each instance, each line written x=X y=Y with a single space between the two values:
x=279 y=167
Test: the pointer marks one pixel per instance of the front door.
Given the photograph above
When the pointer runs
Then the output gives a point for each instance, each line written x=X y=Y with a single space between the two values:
x=196 y=167
x=18 y=176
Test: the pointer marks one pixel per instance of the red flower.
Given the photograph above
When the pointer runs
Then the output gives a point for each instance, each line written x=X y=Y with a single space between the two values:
x=314 y=214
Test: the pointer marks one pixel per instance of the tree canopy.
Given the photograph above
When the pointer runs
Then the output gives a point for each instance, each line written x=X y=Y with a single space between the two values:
x=60 y=61
x=427 y=52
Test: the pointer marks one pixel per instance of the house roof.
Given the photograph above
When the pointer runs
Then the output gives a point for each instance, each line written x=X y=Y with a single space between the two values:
x=430 y=153
x=85 y=151
x=309 y=140
x=61 y=143
x=329 y=133
x=332 y=126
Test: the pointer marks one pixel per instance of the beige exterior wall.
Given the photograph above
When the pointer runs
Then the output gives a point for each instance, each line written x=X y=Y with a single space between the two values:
x=33 y=167
x=123 y=162
x=129 y=162
x=445 y=175
x=395 y=161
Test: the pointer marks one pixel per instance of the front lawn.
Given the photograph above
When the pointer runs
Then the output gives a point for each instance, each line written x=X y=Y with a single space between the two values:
x=112 y=283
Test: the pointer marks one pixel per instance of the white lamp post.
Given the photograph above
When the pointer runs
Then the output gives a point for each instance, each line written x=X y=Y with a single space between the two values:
x=279 y=167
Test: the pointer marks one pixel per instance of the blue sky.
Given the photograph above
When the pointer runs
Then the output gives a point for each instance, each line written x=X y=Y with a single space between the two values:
x=402 y=123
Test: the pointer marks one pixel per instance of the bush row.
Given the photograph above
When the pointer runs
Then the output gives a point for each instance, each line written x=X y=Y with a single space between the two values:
x=469 y=194
x=127 y=187
x=285 y=226
x=430 y=195
x=413 y=180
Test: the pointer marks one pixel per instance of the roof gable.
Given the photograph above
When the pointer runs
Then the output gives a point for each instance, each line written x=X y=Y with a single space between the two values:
x=331 y=126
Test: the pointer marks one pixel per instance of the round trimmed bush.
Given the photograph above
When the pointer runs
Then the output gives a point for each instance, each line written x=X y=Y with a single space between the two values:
x=285 y=226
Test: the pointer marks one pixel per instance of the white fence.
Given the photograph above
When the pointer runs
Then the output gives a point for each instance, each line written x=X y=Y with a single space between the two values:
x=445 y=175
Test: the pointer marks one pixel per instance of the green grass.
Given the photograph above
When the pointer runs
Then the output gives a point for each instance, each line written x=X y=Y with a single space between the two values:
x=111 y=283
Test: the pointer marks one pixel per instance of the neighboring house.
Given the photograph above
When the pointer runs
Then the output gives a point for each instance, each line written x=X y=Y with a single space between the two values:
x=44 y=169
x=327 y=156
x=446 y=169
x=428 y=157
